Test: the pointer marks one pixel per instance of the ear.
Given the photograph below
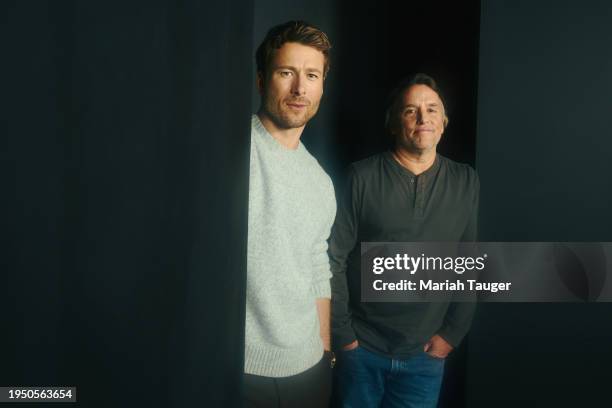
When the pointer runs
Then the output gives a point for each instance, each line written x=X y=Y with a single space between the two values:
x=445 y=121
x=260 y=82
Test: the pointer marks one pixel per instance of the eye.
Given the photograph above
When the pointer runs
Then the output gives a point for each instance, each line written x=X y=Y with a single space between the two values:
x=432 y=110
x=285 y=74
x=410 y=111
x=313 y=77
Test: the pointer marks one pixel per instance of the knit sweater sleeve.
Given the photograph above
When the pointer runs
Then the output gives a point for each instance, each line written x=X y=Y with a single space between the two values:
x=321 y=272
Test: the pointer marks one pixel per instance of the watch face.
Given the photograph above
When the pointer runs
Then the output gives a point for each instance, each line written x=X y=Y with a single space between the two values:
x=332 y=358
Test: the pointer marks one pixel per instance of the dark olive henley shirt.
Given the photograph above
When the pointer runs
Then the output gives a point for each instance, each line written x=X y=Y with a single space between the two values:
x=385 y=202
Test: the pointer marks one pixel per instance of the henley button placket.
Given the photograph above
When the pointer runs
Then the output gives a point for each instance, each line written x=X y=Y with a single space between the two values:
x=419 y=192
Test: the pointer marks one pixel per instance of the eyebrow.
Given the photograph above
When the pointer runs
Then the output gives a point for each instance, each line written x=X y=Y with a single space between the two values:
x=416 y=106
x=289 y=67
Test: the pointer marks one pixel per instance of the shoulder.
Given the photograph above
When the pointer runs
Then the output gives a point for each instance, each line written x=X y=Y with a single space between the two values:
x=368 y=166
x=460 y=173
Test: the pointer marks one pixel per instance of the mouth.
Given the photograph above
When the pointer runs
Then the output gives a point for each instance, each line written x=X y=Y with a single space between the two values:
x=297 y=105
x=420 y=130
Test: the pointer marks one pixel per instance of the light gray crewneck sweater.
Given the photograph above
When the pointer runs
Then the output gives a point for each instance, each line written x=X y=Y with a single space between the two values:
x=291 y=210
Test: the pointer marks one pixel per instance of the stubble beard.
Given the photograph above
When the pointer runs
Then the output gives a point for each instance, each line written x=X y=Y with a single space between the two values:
x=284 y=118
x=415 y=145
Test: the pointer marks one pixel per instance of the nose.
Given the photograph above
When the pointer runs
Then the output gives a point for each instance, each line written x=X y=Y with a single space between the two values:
x=297 y=86
x=422 y=115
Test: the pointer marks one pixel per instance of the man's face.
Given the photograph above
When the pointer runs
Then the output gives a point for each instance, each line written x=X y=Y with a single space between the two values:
x=292 y=90
x=421 y=120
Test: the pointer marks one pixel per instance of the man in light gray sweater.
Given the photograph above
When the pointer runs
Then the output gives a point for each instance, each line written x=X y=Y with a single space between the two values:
x=291 y=210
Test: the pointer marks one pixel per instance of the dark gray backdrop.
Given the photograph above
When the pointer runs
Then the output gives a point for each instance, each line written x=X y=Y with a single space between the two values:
x=544 y=155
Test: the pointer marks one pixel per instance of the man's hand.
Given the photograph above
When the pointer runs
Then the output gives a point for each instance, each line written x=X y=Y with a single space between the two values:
x=437 y=347
x=351 y=346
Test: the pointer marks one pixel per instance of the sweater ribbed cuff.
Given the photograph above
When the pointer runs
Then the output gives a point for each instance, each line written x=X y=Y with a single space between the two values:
x=322 y=289
x=270 y=361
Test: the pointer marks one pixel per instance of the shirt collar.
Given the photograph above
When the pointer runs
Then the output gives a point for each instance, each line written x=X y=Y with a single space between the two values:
x=404 y=172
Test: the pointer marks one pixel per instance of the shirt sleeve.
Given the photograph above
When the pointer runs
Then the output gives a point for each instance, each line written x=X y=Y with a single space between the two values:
x=471 y=231
x=459 y=315
x=342 y=242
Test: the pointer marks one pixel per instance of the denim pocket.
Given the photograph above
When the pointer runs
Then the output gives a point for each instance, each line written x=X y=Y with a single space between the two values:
x=434 y=357
x=349 y=352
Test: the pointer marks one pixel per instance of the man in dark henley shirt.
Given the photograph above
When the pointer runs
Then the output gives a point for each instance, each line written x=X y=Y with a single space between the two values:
x=392 y=354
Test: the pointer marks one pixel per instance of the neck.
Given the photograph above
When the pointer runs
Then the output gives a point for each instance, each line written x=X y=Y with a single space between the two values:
x=416 y=162
x=289 y=138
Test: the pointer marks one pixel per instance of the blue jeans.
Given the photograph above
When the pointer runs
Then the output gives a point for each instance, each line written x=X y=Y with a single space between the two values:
x=369 y=380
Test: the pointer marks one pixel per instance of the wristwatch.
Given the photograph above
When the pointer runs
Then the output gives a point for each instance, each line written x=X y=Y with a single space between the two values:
x=332 y=358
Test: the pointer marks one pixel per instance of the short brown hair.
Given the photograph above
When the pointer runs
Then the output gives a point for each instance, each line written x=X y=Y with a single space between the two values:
x=291 y=31
x=395 y=97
